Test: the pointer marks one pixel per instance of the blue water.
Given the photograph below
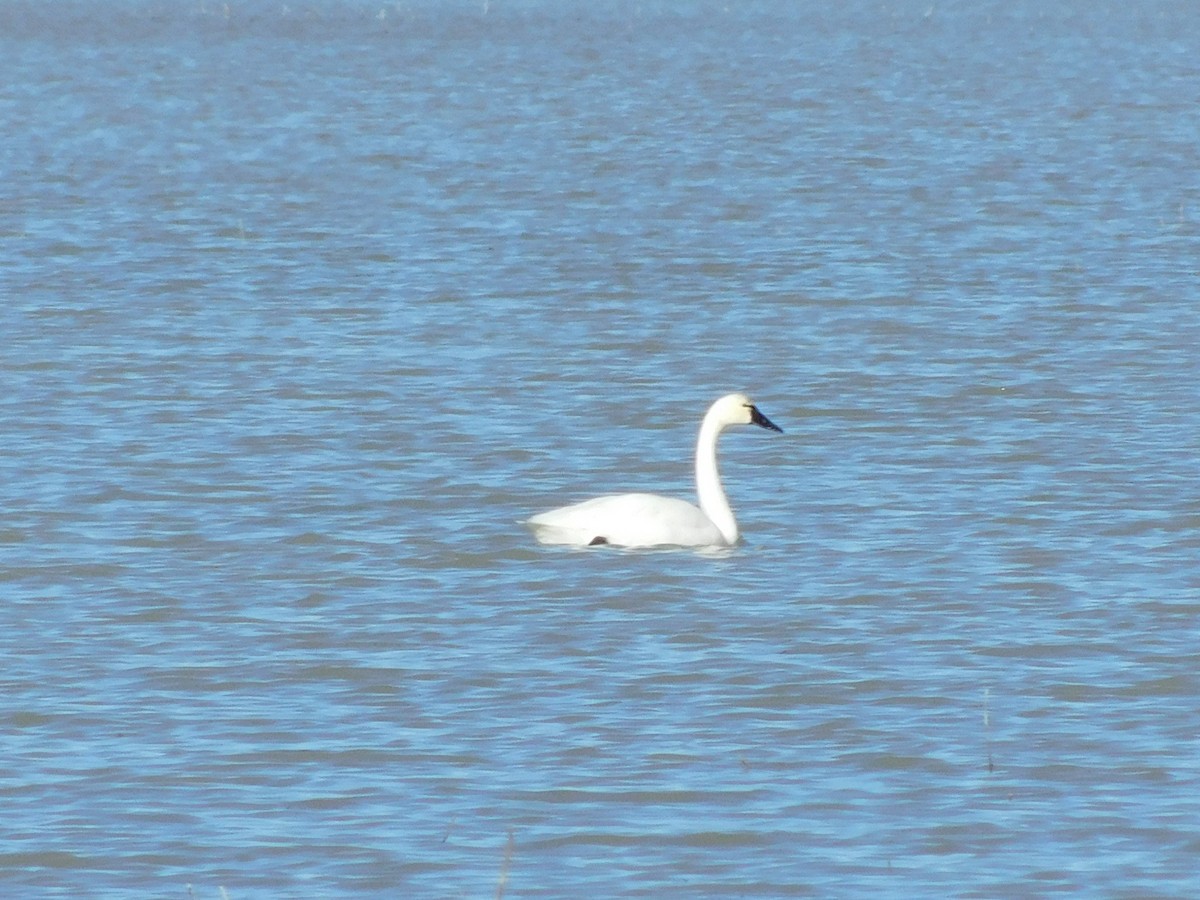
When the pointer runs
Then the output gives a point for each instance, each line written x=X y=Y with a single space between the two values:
x=306 y=307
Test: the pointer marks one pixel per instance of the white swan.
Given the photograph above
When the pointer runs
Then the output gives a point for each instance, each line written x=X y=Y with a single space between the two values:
x=648 y=520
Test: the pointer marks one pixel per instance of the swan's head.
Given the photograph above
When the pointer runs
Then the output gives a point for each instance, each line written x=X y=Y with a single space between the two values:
x=737 y=409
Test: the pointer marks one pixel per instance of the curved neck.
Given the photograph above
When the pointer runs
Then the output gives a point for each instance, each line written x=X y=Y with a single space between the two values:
x=713 y=502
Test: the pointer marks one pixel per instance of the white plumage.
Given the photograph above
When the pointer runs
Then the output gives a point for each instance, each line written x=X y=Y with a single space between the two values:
x=649 y=520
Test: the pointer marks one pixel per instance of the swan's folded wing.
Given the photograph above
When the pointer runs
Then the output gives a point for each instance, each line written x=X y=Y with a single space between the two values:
x=627 y=520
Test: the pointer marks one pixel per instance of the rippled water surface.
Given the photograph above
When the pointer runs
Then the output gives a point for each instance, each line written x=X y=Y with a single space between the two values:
x=305 y=307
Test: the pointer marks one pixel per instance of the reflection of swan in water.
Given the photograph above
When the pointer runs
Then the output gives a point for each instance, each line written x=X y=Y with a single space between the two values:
x=648 y=520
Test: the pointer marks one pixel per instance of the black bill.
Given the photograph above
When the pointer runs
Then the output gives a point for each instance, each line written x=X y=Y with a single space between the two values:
x=762 y=421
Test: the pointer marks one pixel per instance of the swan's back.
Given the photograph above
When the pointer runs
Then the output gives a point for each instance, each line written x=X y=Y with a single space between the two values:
x=628 y=520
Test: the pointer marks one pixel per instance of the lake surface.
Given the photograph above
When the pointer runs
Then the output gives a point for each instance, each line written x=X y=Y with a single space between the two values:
x=305 y=307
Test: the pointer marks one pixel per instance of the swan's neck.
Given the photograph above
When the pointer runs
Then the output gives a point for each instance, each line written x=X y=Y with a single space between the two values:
x=713 y=502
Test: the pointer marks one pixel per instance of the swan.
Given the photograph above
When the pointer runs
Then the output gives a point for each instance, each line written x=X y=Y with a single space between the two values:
x=649 y=520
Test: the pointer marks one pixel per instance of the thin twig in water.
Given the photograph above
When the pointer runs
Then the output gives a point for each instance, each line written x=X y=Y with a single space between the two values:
x=504 y=866
x=987 y=728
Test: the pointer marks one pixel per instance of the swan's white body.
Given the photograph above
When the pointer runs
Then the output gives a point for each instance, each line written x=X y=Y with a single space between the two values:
x=648 y=520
